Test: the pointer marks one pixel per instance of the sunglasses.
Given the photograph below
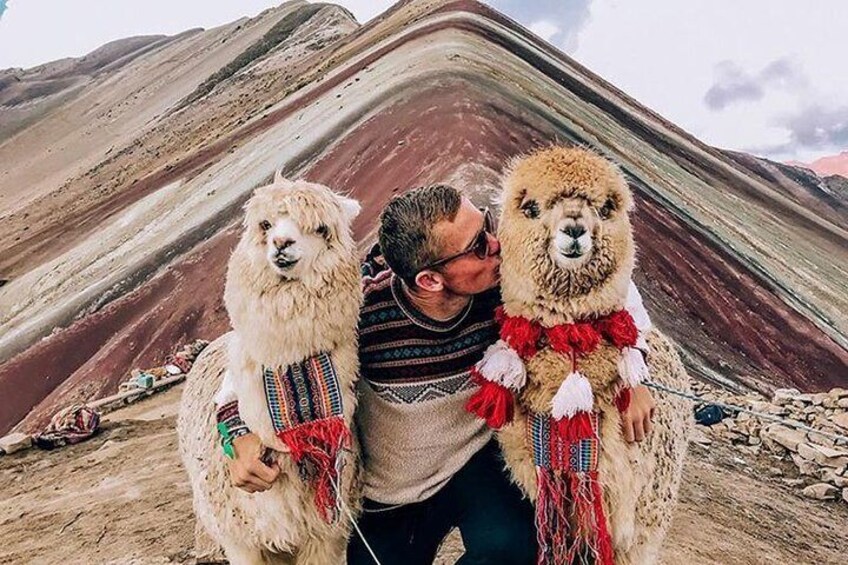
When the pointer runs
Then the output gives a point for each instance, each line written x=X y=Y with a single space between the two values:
x=479 y=247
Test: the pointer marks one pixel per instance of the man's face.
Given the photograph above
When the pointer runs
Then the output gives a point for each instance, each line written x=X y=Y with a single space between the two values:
x=467 y=274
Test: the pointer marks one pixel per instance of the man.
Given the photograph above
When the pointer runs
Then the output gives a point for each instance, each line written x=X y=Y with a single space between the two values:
x=429 y=465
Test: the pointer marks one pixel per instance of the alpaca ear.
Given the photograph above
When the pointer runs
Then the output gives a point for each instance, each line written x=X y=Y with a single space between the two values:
x=280 y=180
x=350 y=207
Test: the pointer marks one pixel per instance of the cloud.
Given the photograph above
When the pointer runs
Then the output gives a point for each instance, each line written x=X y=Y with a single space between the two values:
x=545 y=29
x=814 y=129
x=817 y=127
x=560 y=20
x=2 y=7
x=734 y=84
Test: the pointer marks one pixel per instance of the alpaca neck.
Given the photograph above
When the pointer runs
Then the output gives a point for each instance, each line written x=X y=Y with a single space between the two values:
x=554 y=310
x=286 y=321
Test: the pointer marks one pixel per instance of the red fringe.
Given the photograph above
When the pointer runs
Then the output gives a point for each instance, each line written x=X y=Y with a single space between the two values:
x=319 y=444
x=552 y=514
x=622 y=399
x=575 y=428
x=571 y=523
x=493 y=402
x=606 y=554
x=591 y=533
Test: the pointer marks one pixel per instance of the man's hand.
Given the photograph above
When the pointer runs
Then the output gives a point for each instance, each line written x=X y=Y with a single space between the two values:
x=636 y=421
x=247 y=470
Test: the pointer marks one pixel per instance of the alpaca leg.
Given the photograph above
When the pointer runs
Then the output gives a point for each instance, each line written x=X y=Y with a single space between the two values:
x=238 y=554
x=328 y=551
x=205 y=546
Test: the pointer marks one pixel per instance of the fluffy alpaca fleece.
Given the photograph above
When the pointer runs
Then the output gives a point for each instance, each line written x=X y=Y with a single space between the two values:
x=546 y=193
x=286 y=303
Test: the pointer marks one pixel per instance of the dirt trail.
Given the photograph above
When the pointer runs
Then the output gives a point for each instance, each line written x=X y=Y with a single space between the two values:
x=123 y=497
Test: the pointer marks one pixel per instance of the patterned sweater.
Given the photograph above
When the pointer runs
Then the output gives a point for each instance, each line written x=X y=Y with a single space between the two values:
x=414 y=383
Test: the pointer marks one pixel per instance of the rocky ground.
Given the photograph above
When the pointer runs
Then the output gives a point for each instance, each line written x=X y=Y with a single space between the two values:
x=814 y=463
x=123 y=497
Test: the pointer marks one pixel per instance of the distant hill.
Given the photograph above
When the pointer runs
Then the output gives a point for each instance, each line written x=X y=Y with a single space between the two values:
x=827 y=166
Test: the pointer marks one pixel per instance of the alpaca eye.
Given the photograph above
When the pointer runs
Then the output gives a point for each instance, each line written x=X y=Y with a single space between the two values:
x=323 y=230
x=530 y=209
x=265 y=225
x=607 y=209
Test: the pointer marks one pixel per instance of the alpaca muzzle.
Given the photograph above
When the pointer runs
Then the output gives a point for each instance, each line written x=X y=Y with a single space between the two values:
x=572 y=240
x=285 y=261
x=286 y=256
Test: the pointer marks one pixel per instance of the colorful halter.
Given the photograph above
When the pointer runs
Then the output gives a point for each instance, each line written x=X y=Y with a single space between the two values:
x=305 y=405
x=501 y=373
x=566 y=442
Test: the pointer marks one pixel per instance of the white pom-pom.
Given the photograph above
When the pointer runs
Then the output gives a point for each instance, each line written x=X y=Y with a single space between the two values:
x=631 y=367
x=501 y=364
x=574 y=395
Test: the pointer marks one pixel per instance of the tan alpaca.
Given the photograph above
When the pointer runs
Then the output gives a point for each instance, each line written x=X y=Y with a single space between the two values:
x=292 y=291
x=554 y=274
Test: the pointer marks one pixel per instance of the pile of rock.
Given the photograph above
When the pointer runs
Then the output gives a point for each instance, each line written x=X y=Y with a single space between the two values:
x=178 y=363
x=821 y=461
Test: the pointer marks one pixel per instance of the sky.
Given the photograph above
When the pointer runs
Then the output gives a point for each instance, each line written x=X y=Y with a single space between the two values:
x=764 y=76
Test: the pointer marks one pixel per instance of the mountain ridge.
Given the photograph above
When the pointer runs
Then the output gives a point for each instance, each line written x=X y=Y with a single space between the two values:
x=428 y=91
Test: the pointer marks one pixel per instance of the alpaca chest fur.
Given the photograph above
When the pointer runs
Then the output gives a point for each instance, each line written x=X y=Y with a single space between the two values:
x=546 y=369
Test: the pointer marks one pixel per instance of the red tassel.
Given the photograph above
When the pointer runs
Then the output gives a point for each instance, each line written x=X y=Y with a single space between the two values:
x=620 y=329
x=558 y=337
x=622 y=399
x=581 y=338
x=606 y=555
x=492 y=402
x=319 y=444
x=575 y=428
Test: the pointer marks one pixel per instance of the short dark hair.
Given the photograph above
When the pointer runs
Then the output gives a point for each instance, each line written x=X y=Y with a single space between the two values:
x=406 y=228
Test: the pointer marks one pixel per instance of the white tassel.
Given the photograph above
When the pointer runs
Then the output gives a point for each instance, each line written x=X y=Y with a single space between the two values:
x=574 y=395
x=631 y=367
x=501 y=364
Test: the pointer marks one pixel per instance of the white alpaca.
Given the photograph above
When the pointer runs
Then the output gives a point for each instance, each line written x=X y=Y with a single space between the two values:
x=292 y=292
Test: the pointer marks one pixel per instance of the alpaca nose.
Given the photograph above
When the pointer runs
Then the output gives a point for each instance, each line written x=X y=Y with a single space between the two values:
x=574 y=231
x=282 y=243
